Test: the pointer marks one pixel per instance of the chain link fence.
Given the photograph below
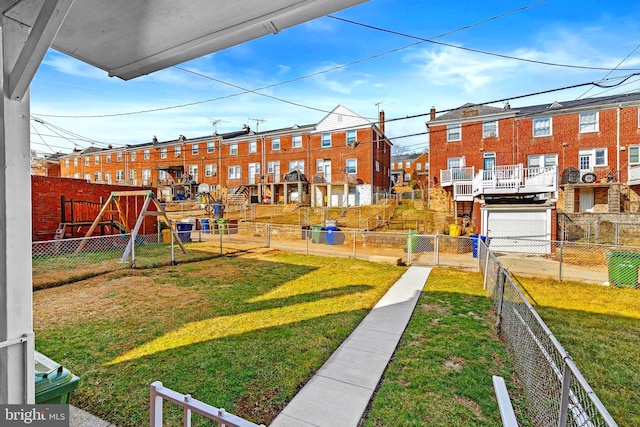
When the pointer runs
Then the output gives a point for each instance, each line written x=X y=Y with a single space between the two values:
x=599 y=230
x=555 y=391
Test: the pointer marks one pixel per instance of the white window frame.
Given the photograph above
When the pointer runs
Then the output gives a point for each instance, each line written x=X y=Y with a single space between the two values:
x=96 y=159
x=107 y=158
x=296 y=141
x=87 y=177
x=319 y=165
x=233 y=149
x=454 y=132
x=351 y=166
x=490 y=129
x=296 y=165
x=75 y=162
x=120 y=175
x=634 y=150
x=146 y=174
x=211 y=169
x=325 y=140
x=275 y=144
x=456 y=162
x=133 y=174
x=594 y=154
x=193 y=172
x=233 y=172
x=66 y=163
x=542 y=126
x=194 y=149
x=351 y=136
x=134 y=155
x=146 y=154
x=163 y=152
x=119 y=156
x=589 y=121
x=542 y=160
x=177 y=151
x=377 y=166
x=97 y=176
x=211 y=147
x=107 y=177
x=253 y=146
x=87 y=161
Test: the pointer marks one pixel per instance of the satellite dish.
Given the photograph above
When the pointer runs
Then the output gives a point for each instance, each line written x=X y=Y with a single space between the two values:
x=203 y=188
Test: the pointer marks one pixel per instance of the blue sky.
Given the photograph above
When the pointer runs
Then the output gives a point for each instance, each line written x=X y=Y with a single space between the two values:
x=404 y=81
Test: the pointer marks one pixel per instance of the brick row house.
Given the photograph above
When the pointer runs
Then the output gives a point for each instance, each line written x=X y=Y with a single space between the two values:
x=508 y=172
x=343 y=160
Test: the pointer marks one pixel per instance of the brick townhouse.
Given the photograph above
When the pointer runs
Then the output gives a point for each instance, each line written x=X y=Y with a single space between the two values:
x=410 y=169
x=343 y=160
x=507 y=171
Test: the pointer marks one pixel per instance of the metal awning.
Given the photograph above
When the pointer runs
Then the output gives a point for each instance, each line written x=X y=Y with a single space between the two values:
x=171 y=169
x=130 y=38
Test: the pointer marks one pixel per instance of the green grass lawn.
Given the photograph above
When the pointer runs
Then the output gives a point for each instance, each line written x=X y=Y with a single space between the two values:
x=600 y=328
x=441 y=372
x=237 y=333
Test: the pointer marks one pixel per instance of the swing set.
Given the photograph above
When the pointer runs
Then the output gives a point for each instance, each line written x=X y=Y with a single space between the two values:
x=113 y=207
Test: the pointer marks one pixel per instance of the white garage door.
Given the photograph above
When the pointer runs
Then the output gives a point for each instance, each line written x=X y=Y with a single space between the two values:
x=519 y=230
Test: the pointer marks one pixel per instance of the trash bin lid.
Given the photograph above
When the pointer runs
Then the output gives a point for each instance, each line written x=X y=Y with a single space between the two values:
x=49 y=374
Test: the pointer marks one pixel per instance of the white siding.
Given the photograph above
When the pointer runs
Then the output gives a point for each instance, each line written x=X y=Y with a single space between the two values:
x=341 y=118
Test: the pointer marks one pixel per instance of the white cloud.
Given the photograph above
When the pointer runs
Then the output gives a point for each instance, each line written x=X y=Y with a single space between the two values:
x=67 y=65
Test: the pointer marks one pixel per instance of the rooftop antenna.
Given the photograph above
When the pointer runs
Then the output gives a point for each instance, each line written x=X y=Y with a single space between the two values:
x=214 y=123
x=258 y=121
x=377 y=104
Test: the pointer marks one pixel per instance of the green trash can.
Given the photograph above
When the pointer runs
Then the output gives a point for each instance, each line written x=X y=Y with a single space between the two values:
x=54 y=383
x=316 y=233
x=412 y=241
x=222 y=225
x=623 y=268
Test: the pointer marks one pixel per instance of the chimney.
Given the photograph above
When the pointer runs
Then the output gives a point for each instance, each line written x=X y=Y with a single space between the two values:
x=381 y=121
x=432 y=115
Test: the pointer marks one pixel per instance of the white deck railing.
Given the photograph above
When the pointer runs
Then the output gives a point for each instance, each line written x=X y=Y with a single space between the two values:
x=160 y=393
x=449 y=176
x=515 y=179
x=463 y=191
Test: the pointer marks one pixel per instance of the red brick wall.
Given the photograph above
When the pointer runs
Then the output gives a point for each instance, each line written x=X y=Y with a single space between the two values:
x=46 y=208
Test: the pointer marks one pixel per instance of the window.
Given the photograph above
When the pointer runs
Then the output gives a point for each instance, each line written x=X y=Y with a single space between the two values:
x=589 y=122
x=210 y=170
x=76 y=175
x=146 y=155
x=75 y=162
x=296 y=141
x=146 y=174
x=107 y=158
x=194 y=149
x=275 y=144
x=66 y=163
x=407 y=165
x=86 y=161
x=233 y=149
x=163 y=176
x=132 y=175
x=542 y=126
x=193 y=171
x=352 y=166
x=176 y=151
x=97 y=177
x=234 y=172
x=211 y=147
x=296 y=165
x=588 y=159
x=351 y=137
x=455 y=162
x=377 y=166
x=634 y=154
x=418 y=166
x=326 y=140
x=272 y=166
x=163 y=153
x=107 y=177
x=320 y=165
x=119 y=175
x=87 y=177
x=134 y=154
x=454 y=132
x=489 y=161
x=542 y=160
x=119 y=156
x=96 y=159
x=253 y=146
x=490 y=129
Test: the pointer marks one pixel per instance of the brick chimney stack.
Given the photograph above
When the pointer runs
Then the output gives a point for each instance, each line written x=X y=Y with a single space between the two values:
x=381 y=121
x=432 y=116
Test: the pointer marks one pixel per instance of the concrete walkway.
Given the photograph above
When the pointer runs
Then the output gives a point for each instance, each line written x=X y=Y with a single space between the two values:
x=340 y=392
x=80 y=418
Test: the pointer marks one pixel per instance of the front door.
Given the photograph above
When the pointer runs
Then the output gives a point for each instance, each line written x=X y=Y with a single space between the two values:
x=587 y=199
x=326 y=166
x=254 y=169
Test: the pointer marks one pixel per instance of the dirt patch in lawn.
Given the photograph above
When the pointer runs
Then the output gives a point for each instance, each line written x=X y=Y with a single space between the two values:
x=112 y=298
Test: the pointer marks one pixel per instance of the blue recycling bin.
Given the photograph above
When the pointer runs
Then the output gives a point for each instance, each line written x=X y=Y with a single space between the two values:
x=204 y=222
x=218 y=209
x=475 y=238
x=331 y=234
x=184 y=231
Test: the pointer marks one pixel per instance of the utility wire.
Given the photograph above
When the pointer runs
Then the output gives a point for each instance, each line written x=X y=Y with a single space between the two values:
x=611 y=71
